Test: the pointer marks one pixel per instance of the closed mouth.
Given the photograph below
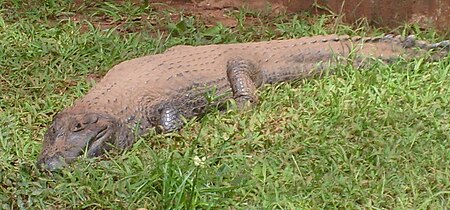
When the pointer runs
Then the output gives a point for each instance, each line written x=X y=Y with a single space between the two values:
x=101 y=133
x=97 y=143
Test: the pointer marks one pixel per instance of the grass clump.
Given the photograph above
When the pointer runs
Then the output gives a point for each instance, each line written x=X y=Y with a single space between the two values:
x=373 y=139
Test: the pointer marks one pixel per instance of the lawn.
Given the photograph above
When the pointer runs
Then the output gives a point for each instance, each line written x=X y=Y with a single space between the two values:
x=371 y=139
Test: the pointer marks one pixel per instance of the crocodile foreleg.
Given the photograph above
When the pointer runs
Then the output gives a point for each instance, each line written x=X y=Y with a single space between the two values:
x=244 y=78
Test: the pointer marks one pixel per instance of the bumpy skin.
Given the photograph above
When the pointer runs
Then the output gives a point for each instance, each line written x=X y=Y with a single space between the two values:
x=158 y=91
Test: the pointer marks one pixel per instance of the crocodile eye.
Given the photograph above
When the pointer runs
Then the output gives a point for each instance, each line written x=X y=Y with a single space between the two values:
x=77 y=127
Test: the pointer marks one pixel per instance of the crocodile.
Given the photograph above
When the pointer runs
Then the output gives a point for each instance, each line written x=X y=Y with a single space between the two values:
x=161 y=91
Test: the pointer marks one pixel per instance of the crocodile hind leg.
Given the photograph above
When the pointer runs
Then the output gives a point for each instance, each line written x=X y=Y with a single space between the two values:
x=244 y=78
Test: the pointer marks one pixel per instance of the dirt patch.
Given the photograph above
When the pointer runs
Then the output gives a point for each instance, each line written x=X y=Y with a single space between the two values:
x=380 y=13
x=159 y=14
x=209 y=15
x=128 y=23
x=425 y=13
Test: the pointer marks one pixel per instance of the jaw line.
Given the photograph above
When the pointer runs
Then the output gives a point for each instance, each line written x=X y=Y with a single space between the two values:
x=101 y=133
x=102 y=137
x=96 y=140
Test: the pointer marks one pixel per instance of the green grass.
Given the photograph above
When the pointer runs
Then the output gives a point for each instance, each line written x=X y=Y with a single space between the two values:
x=371 y=139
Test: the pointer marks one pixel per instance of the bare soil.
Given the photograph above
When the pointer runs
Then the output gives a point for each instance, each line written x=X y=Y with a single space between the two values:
x=382 y=13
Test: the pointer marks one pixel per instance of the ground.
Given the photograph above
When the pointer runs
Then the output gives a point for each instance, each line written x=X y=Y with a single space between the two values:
x=208 y=12
x=374 y=138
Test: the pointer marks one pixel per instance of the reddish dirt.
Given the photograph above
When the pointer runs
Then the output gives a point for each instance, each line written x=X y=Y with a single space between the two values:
x=210 y=15
x=380 y=13
x=425 y=13
x=386 y=13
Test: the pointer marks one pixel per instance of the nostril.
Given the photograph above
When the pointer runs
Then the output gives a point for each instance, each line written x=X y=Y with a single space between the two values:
x=55 y=164
x=51 y=164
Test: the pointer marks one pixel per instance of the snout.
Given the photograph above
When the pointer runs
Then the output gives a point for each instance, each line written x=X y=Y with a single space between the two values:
x=51 y=164
x=73 y=135
x=60 y=153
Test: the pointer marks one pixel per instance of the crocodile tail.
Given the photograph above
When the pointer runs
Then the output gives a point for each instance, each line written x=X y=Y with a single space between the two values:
x=445 y=45
x=390 y=47
x=438 y=50
x=410 y=41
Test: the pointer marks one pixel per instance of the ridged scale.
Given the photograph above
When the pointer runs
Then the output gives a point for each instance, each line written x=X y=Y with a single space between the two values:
x=133 y=90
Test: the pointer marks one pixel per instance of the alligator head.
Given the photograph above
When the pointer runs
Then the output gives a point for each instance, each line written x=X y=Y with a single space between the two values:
x=75 y=134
